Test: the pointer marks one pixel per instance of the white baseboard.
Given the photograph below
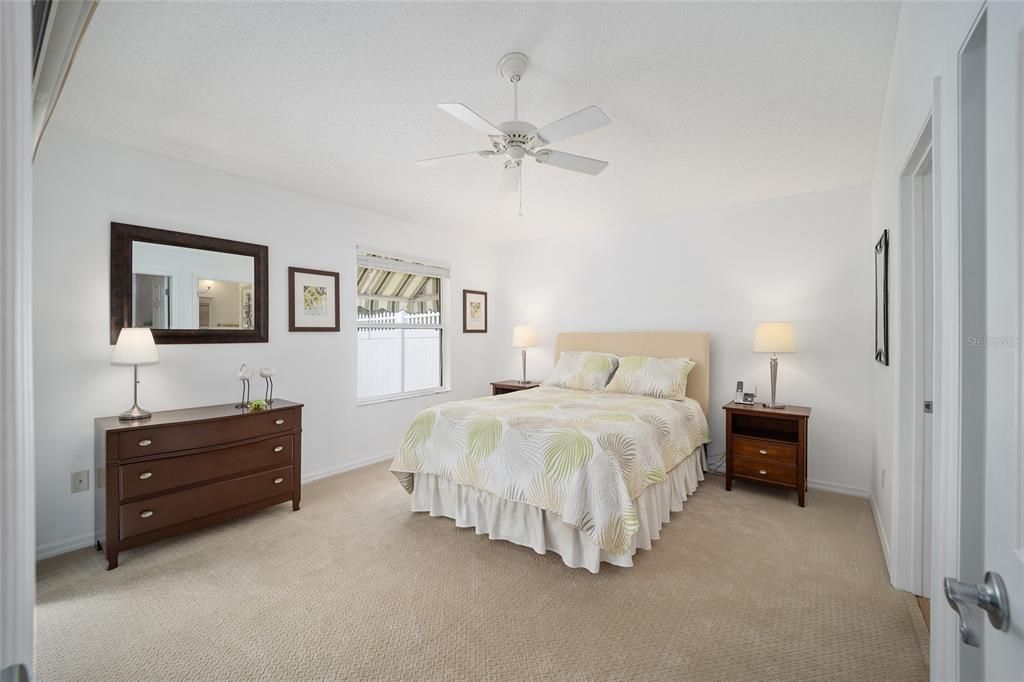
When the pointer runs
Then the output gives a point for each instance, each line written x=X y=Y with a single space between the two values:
x=52 y=549
x=881 y=534
x=309 y=477
x=840 y=488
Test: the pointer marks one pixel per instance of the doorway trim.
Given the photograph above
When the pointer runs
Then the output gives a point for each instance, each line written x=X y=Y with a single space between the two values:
x=908 y=529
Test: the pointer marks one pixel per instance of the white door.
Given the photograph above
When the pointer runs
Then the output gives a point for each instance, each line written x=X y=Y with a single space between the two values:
x=927 y=368
x=1003 y=652
x=17 y=482
x=992 y=311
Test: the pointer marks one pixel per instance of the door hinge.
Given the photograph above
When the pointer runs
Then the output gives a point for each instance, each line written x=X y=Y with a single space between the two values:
x=927 y=407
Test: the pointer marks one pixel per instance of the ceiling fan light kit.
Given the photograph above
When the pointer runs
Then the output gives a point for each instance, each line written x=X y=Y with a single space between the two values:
x=515 y=140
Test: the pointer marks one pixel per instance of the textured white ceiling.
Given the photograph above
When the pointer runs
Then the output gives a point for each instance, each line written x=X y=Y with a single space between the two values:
x=711 y=104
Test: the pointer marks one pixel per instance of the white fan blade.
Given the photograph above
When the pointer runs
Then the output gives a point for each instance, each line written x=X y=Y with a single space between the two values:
x=431 y=162
x=574 y=124
x=471 y=118
x=580 y=164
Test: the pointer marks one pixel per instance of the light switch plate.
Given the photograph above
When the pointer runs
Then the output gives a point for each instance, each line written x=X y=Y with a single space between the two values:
x=80 y=481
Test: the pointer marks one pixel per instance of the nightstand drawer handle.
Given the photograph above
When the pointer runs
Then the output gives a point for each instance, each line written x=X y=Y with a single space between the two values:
x=279 y=421
x=763 y=452
x=146 y=514
x=279 y=448
x=145 y=443
x=146 y=474
x=278 y=480
x=763 y=472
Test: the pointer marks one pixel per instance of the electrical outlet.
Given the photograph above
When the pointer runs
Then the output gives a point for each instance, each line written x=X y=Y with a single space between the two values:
x=80 y=481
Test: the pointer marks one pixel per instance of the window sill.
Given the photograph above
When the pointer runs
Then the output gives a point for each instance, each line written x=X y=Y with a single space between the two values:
x=401 y=396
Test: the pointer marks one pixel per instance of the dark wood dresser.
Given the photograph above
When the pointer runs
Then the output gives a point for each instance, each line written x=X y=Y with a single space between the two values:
x=185 y=469
x=767 y=445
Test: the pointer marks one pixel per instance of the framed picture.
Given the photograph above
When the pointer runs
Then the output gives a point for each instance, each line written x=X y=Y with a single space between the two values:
x=313 y=303
x=474 y=312
x=882 y=299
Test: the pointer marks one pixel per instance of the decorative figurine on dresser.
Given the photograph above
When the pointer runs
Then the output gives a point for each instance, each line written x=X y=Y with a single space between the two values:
x=181 y=470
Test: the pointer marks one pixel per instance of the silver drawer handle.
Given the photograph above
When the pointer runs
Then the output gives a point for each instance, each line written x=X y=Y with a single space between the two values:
x=146 y=514
x=279 y=448
x=278 y=480
x=146 y=474
x=763 y=452
x=279 y=421
x=763 y=472
x=145 y=443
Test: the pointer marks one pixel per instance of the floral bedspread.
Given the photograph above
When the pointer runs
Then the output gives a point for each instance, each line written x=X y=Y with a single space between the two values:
x=584 y=455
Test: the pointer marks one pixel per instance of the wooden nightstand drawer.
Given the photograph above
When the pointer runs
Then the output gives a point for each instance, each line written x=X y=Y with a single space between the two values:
x=771 y=451
x=764 y=471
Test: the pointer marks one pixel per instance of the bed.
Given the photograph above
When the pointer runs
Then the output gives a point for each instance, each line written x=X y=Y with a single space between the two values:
x=590 y=475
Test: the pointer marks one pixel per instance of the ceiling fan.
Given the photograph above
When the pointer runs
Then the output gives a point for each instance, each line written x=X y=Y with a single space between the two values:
x=515 y=140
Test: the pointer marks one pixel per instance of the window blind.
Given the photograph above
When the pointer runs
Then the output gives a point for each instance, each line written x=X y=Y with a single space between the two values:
x=383 y=262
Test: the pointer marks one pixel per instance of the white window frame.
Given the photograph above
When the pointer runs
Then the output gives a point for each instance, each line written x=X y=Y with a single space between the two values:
x=445 y=326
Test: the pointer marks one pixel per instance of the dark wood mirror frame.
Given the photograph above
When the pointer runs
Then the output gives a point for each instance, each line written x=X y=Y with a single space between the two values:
x=121 y=238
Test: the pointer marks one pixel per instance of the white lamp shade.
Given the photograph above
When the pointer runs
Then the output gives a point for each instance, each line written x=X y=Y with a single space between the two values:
x=135 y=346
x=523 y=336
x=774 y=337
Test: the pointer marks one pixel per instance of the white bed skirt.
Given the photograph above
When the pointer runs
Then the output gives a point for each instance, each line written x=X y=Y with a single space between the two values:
x=543 y=531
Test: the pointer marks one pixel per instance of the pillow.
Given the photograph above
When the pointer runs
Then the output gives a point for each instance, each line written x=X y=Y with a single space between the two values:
x=654 y=377
x=582 y=370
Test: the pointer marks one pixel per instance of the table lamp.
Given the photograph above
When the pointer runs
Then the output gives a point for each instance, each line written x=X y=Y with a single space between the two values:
x=523 y=337
x=135 y=346
x=774 y=337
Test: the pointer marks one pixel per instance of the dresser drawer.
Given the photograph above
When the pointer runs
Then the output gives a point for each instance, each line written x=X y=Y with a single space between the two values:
x=158 y=439
x=158 y=475
x=764 y=471
x=155 y=513
x=767 y=450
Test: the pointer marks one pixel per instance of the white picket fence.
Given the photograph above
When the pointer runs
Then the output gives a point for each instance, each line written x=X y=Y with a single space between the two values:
x=381 y=352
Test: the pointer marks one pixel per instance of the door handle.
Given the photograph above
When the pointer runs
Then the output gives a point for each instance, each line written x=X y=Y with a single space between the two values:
x=990 y=597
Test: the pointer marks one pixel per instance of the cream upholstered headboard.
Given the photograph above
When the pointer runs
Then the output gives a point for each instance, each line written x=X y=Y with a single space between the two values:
x=693 y=345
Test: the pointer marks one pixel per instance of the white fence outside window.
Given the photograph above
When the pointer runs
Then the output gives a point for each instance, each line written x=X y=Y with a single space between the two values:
x=397 y=352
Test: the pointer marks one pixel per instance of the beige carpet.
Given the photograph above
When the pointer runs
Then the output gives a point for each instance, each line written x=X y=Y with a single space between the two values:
x=741 y=585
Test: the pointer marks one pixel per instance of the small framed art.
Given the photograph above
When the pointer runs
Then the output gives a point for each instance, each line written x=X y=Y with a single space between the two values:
x=474 y=312
x=313 y=303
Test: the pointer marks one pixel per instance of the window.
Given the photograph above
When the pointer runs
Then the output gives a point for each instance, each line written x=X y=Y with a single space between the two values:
x=400 y=327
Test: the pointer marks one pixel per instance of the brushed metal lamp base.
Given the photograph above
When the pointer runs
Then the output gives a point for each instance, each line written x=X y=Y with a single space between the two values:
x=775 y=375
x=135 y=413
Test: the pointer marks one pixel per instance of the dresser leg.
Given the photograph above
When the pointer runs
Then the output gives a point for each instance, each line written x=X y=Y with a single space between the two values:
x=295 y=505
x=800 y=495
x=728 y=482
x=111 y=561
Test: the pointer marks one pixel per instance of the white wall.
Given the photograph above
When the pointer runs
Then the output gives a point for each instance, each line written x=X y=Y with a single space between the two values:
x=81 y=185
x=929 y=36
x=804 y=259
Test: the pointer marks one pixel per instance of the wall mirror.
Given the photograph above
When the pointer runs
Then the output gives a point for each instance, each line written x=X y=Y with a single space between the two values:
x=187 y=288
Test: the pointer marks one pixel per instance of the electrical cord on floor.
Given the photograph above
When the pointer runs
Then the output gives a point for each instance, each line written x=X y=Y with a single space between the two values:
x=716 y=463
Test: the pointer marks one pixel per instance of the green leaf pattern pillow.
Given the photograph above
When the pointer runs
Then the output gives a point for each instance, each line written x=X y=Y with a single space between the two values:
x=582 y=370
x=654 y=377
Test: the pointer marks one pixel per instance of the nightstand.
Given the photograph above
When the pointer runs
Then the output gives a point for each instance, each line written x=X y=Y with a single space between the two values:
x=511 y=386
x=767 y=445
